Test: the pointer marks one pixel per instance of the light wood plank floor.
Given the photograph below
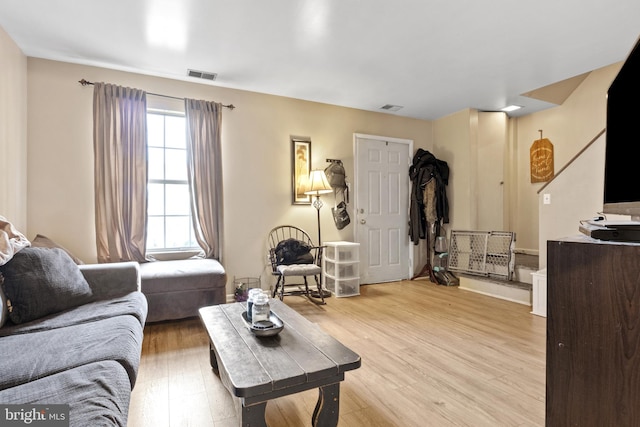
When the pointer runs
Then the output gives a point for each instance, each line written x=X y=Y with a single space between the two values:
x=431 y=356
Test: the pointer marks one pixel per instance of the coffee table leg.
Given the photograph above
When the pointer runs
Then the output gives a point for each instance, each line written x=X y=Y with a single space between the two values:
x=328 y=406
x=253 y=415
x=212 y=359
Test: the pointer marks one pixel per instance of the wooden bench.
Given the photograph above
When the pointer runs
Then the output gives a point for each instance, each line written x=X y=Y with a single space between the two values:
x=177 y=289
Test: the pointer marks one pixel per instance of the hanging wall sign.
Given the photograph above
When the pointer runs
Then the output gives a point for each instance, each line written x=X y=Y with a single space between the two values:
x=541 y=156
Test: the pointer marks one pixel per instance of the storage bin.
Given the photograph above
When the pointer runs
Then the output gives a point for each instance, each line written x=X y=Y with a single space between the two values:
x=342 y=270
x=342 y=287
x=539 y=297
x=241 y=286
x=341 y=251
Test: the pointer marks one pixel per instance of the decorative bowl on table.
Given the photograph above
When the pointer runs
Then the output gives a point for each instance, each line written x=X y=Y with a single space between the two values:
x=264 y=328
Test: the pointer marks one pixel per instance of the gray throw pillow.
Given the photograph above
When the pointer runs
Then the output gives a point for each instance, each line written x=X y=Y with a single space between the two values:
x=41 y=281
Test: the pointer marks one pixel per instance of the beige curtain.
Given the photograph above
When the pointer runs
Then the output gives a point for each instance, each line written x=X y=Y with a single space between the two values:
x=120 y=157
x=204 y=163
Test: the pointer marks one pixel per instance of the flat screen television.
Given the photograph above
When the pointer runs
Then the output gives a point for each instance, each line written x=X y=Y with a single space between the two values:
x=622 y=164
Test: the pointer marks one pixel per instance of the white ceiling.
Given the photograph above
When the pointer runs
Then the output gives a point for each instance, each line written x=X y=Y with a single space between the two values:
x=433 y=57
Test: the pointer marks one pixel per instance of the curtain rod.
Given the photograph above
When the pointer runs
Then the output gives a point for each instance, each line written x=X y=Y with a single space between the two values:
x=84 y=82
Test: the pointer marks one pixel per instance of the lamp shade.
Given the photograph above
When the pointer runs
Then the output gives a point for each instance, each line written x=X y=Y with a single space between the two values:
x=318 y=183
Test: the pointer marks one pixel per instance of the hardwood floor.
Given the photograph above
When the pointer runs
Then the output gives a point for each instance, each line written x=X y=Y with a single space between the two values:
x=431 y=356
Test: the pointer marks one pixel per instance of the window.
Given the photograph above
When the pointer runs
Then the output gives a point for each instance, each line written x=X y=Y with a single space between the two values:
x=169 y=225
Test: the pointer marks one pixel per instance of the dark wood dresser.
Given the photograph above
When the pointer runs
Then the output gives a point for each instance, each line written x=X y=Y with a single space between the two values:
x=593 y=333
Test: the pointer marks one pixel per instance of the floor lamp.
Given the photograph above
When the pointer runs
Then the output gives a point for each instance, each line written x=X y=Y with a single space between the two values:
x=317 y=185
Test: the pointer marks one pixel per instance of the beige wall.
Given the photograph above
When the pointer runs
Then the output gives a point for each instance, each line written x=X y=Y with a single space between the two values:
x=569 y=127
x=473 y=144
x=58 y=188
x=454 y=143
x=256 y=157
x=13 y=132
x=490 y=174
x=577 y=193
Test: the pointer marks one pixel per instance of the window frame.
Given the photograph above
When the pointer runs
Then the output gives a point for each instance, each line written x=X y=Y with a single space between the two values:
x=164 y=182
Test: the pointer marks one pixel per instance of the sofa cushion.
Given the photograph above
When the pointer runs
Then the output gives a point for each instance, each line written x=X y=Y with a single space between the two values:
x=41 y=281
x=181 y=275
x=28 y=357
x=177 y=289
x=134 y=304
x=98 y=394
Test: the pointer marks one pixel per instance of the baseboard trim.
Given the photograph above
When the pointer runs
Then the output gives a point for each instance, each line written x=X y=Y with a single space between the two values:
x=496 y=290
x=535 y=252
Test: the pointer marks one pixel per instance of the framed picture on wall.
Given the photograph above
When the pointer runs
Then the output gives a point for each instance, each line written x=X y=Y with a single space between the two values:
x=301 y=166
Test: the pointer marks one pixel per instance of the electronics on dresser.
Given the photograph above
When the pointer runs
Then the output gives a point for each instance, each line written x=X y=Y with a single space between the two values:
x=619 y=231
x=621 y=172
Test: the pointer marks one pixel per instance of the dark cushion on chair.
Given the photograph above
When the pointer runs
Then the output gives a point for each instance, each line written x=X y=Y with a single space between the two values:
x=293 y=251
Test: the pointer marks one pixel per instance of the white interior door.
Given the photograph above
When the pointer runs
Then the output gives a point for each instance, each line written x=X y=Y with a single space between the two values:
x=382 y=207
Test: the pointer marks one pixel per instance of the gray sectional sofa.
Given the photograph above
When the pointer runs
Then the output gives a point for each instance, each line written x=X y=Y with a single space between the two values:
x=78 y=335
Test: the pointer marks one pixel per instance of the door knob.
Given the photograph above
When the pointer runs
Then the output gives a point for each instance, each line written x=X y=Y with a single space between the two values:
x=363 y=221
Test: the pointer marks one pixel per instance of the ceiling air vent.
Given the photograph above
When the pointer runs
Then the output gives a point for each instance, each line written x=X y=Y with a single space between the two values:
x=391 y=107
x=202 y=74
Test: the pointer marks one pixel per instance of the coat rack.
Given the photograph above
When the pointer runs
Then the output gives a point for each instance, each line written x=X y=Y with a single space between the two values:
x=427 y=270
x=427 y=171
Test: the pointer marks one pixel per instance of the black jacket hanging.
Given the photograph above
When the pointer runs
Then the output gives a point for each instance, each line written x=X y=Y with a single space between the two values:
x=425 y=167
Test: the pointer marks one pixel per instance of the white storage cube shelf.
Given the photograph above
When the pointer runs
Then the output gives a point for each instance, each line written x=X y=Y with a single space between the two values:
x=341 y=251
x=342 y=287
x=341 y=268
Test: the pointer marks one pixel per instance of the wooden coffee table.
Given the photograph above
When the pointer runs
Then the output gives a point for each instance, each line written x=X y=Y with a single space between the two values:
x=257 y=369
